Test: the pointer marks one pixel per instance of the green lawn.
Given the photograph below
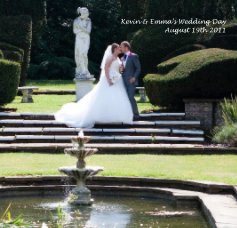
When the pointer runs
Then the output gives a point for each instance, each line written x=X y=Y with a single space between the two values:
x=42 y=103
x=52 y=84
x=52 y=103
x=217 y=168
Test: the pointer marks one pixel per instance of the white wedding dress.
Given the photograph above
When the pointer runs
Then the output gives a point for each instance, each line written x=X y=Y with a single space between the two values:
x=104 y=104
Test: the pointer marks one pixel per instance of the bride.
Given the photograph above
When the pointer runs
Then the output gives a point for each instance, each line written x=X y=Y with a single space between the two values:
x=108 y=101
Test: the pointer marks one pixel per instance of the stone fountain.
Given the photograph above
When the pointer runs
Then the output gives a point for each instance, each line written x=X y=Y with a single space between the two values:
x=80 y=195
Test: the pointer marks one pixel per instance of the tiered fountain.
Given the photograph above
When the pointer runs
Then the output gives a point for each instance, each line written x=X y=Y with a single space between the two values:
x=80 y=195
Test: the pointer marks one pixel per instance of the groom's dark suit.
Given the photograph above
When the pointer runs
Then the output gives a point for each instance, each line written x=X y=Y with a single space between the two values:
x=132 y=69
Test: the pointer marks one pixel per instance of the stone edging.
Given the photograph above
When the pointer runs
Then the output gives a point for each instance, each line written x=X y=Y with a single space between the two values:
x=216 y=200
x=201 y=186
x=121 y=148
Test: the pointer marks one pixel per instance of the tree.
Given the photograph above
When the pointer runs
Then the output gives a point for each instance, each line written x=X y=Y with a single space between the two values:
x=58 y=38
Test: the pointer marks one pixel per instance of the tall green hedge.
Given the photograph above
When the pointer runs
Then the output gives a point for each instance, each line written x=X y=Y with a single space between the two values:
x=17 y=31
x=207 y=9
x=12 y=52
x=34 y=8
x=9 y=80
x=9 y=47
x=152 y=45
x=1 y=54
x=227 y=40
x=209 y=73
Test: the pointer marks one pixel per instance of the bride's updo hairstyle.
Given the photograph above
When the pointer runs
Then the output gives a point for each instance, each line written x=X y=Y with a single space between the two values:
x=114 y=46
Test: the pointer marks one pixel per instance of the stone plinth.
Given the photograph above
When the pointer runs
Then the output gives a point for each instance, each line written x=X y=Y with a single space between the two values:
x=208 y=111
x=142 y=93
x=27 y=92
x=83 y=86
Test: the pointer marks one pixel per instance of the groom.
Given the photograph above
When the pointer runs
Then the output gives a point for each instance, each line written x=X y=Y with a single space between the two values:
x=130 y=69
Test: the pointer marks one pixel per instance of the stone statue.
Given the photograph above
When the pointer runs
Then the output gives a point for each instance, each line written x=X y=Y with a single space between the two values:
x=82 y=29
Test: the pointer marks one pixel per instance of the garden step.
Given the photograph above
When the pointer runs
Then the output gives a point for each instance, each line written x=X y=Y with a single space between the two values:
x=121 y=148
x=98 y=131
x=55 y=92
x=43 y=116
x=183 y=124
x=145 y=124
x=104 y=139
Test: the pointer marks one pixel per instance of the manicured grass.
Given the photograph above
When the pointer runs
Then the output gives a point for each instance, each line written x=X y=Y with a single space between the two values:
x=52 y=84
x=42 y=103
x=52 y=103
x=217 y=168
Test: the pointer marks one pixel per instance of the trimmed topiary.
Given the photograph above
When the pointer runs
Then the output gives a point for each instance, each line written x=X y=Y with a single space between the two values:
x=227 y=40
x=1 y=54
x=12 y=52
x=9 y=80
x=209 y=73
x=8 y=47
x=152 y=45
x=34 y=8
x=185 y=49
x=13 y=56
x=17 y=31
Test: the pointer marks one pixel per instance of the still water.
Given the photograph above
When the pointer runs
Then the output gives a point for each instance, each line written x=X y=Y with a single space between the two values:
x=106 y=212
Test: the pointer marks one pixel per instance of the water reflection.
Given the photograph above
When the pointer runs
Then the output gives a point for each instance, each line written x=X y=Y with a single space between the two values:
x=106 y=212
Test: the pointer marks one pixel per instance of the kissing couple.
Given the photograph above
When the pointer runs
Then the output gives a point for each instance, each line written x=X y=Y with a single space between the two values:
x=112 y=100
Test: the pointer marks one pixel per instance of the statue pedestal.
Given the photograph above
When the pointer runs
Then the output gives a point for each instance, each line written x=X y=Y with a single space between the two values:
x=83 y=86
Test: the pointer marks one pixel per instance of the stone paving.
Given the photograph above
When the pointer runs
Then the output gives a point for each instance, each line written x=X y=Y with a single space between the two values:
x=28 y=130
x=221 y=209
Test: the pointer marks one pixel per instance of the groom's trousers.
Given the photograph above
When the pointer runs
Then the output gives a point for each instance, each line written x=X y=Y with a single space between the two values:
x=131 y=90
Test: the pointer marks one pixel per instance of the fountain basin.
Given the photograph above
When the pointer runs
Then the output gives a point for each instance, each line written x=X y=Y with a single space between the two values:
x=179 y=192
x=107 y=211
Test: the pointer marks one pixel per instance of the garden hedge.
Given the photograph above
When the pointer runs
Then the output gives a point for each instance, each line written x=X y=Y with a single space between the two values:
x=152 y=45
x=13 y=55
x=1 y=54
x=53 y=68
x=184 y=49
x=17 y=31
x=9 y=80
x=207 y=9
x=12 y=52
x=8 y=47
x=209 y=73
x=36 y=9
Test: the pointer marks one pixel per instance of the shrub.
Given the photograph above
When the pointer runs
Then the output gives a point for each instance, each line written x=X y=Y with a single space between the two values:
x=1 y=54
x=227 y=40
x=12 y=52
x=196 y=8
x=152 y=45
x=8 y=47
x=13 y=56
x=36 y=9
x=17 y=31
x=183 y=50
x=209 y=73
x=227 y=134
x=53 y=68
x=229 y=111
x=9 y=80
